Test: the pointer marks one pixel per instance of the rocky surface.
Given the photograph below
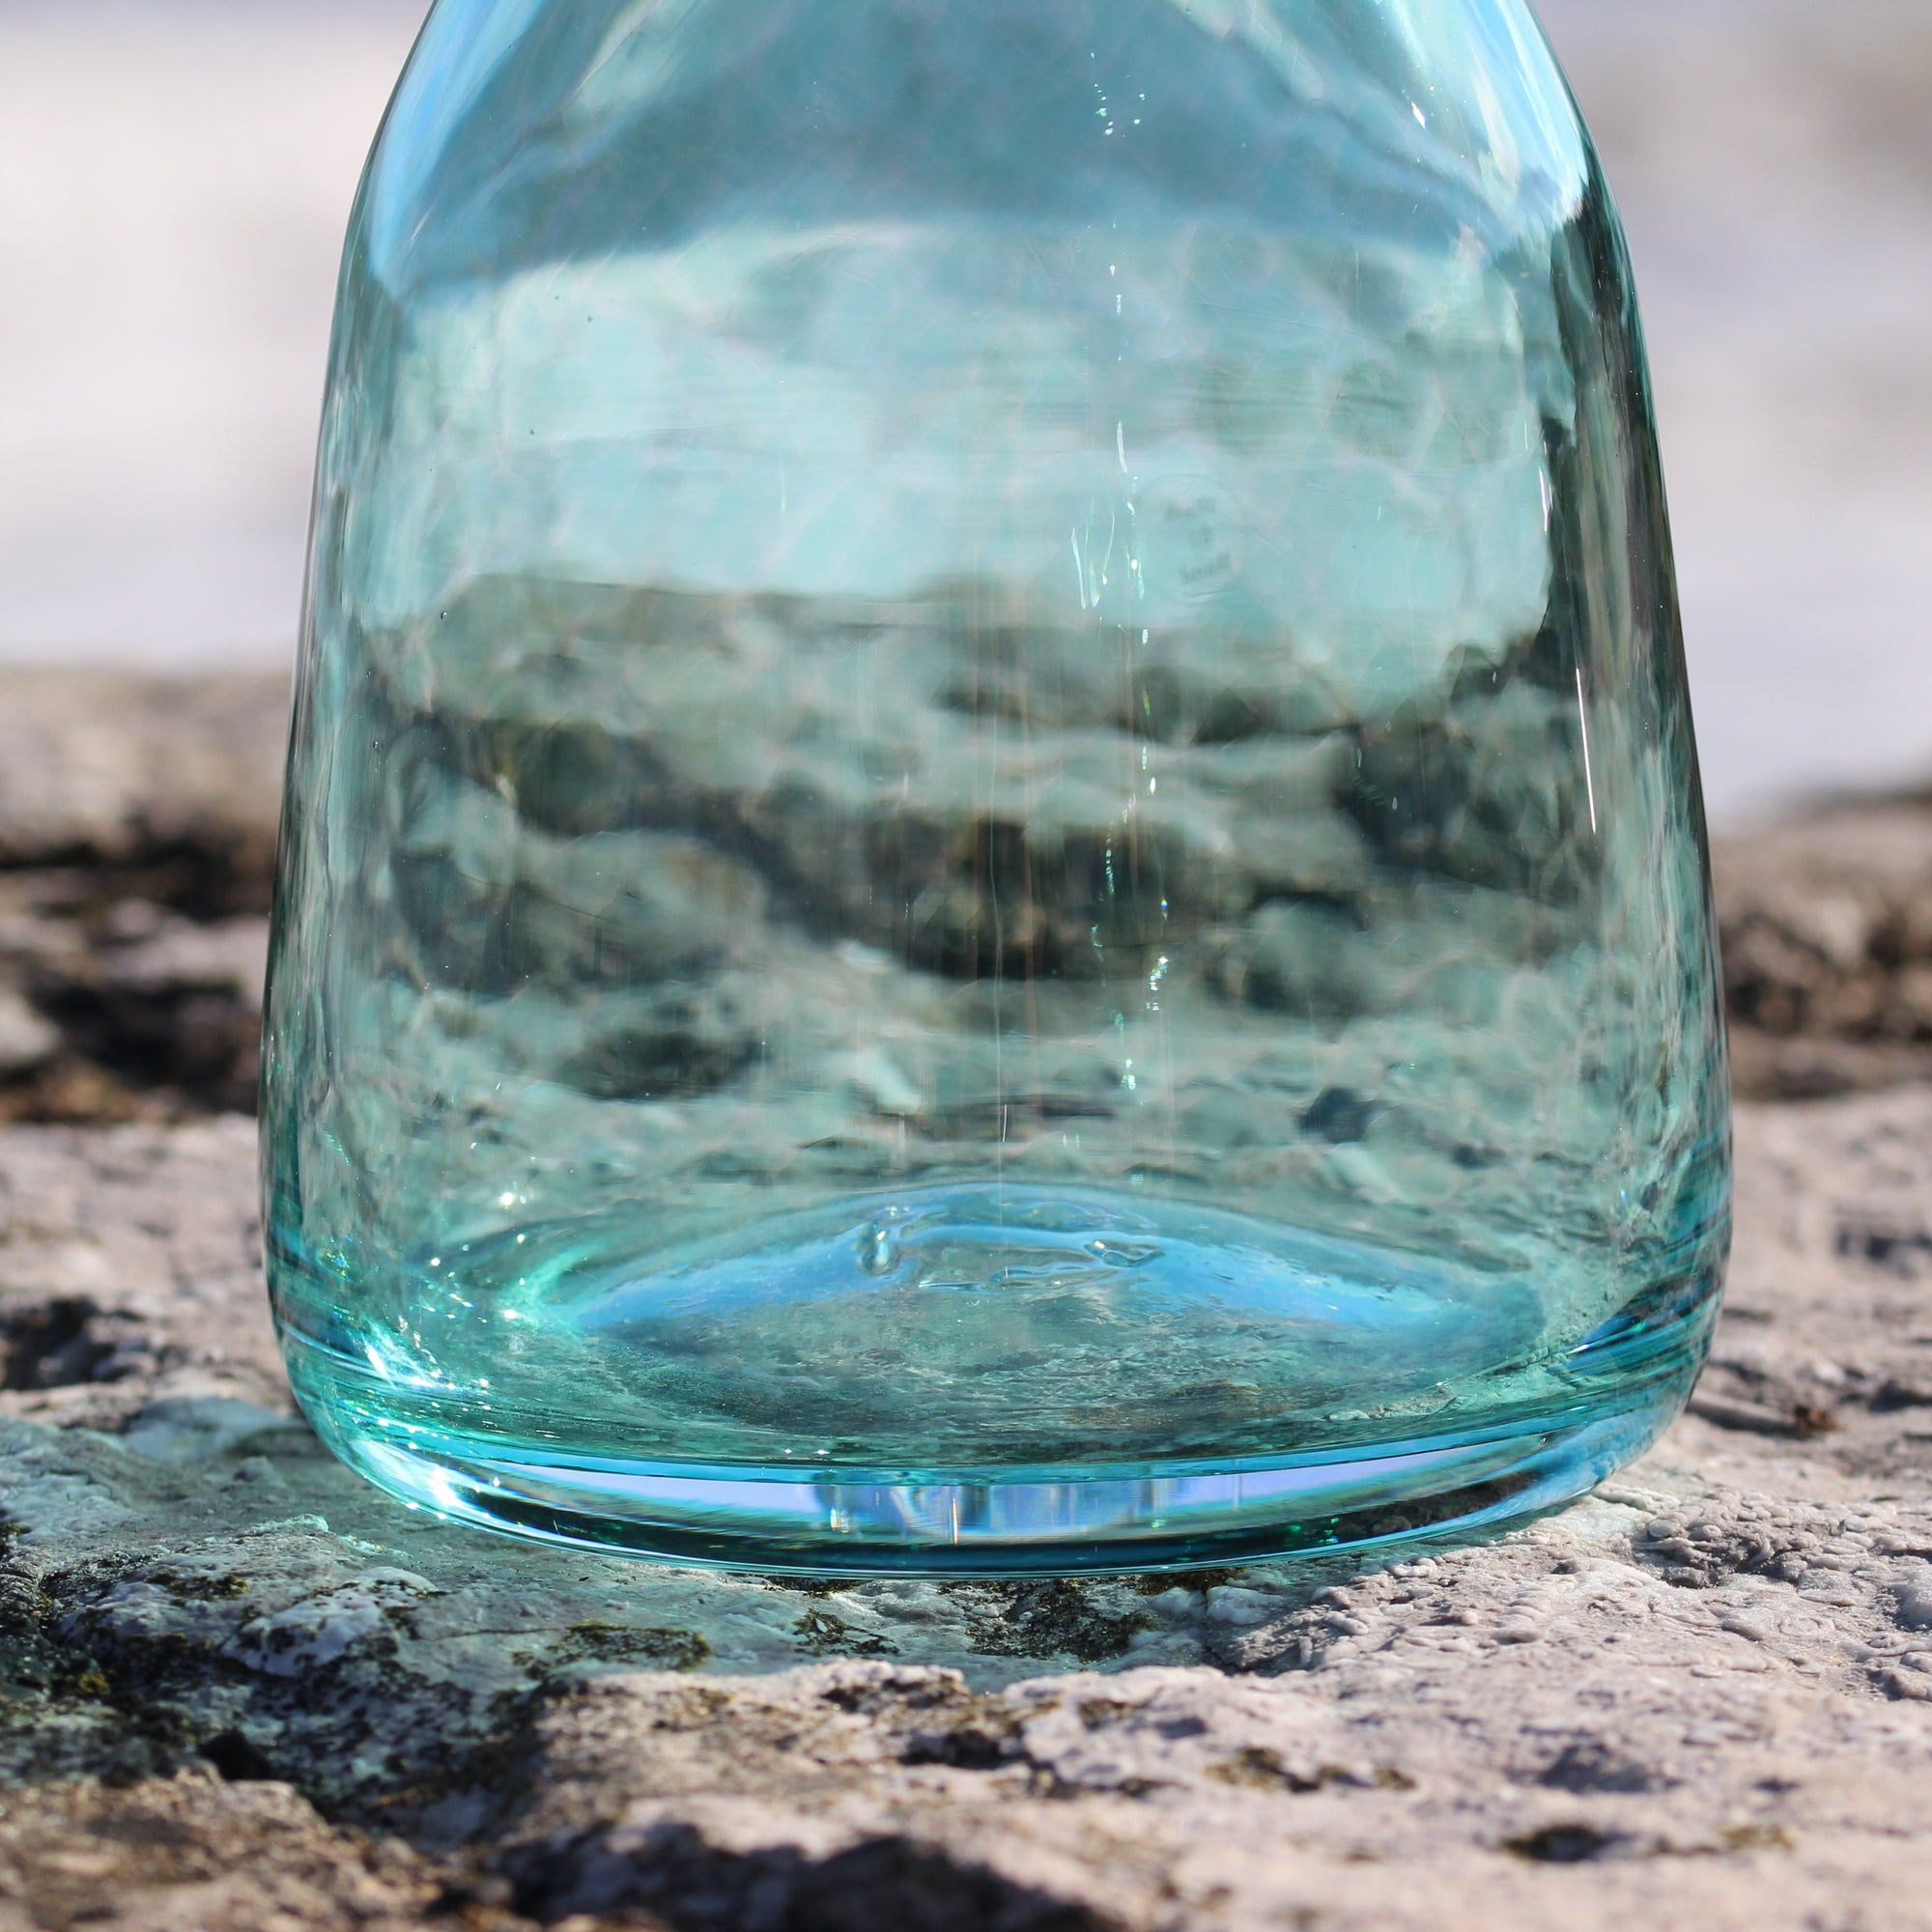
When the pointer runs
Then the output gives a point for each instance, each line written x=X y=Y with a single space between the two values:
x=137 y=831
x=237 y=1688
x=244 y=1689
x=1827 y=949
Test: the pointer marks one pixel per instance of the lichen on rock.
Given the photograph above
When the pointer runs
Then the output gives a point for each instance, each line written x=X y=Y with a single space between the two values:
x=1715 y=1676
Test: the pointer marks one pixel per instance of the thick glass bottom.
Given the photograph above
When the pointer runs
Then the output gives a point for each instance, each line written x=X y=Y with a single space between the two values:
x=976 y=1381
x=1176 y=1519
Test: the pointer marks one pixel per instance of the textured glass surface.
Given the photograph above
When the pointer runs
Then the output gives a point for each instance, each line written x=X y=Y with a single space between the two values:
x=993 y=856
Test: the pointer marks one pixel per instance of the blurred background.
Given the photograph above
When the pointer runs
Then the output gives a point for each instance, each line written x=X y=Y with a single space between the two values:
x=175 y=176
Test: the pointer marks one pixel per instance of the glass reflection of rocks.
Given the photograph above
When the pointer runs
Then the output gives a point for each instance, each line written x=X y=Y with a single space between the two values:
x=1020 y=804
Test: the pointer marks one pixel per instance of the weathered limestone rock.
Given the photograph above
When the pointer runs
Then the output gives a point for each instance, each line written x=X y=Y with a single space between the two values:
x=137 y=830
x=1703 y=1697
x=27 y=1039
x=1827 y=949
x=113 y=767
x=240 y=1690
x=194 y=1854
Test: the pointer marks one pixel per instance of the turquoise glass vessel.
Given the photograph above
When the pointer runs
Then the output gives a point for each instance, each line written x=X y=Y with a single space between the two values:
x=993 y=858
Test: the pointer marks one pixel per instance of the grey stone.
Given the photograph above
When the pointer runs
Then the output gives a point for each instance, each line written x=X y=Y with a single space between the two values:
x=196 y=1854
x=227 y=956
x=108 y=766
x=137 y=829
x=238 y=1689
x=27 y=1039
x=1700 y=1696
x=1827 y=949
x=1911 y=1602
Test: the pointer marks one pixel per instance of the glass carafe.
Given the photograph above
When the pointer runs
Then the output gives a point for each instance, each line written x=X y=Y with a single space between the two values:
x=993 y=857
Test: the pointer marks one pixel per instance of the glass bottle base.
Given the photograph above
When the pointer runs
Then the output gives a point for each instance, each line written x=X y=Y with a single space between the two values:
x=978 y=1382
x=1172 y=1518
